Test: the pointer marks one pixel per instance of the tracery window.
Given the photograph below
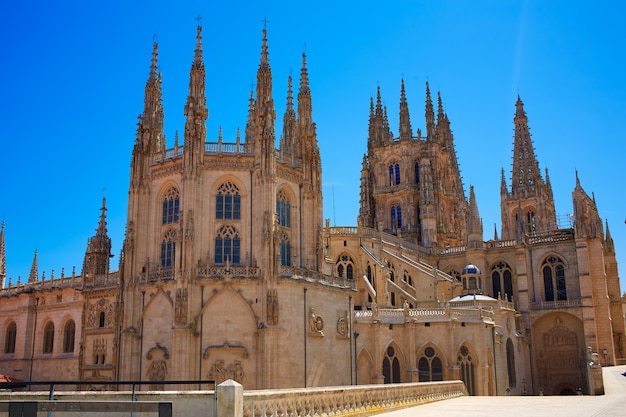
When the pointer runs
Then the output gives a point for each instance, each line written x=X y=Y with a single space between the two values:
x=531 y=227
x=391 y=366
x=227 y=245
x=48 y=338
x=502 y=281
x=171 y=206
x=465 y=360
x=510 y=363
x=396 y=217
x=345 y=267
x=394 y=173
x=69 y=333
x=417 y=172
x=285 y=251
x=554 y=279
x=429 y=366
x=168 y=249
x=283 y=209
x=9 y=338
x=228 y=202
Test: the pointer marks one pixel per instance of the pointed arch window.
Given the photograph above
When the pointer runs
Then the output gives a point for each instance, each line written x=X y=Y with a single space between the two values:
x=391 y=367
x=396 y=217
x=227 y=245
x=171 y=206
x=510 y=363
x=9 y=338
x=531 y=226
x=69 y=333
x=502 y=281
x=228 y=202
x=417 y=172
x=394 y=173
x=407 y=278
x=283 y=209
x=553 y=270
x=429 y=366
x=285 y=251
x=465 y=361
x=345 y=267
x=48 y=338
x=168 y=250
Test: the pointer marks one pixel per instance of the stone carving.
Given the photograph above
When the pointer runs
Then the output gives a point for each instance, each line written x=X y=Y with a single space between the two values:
x=272 y=307
x=267 y=225
x=180 y=308
x=316 y=323
x=343 y=325
x=219 y=372
x=157 y=370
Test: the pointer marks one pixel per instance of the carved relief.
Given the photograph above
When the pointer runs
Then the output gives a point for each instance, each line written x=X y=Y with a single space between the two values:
x=272 y=307
x=95 y=310
x=180 y=309
x=316 y=323
x=219 y=372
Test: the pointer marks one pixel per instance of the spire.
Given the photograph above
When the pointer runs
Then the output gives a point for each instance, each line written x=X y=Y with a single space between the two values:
x=372 y=126
x=430 y=116
x=504 y=191
x=608 y=241
x=196 y=112
x=305 y=116
x=153 y=114
x=587 y=222
x=474 y=227
x=526 y=175
x=287 y=142
x=3 y=258
x=495 y=232
x=264 y=75
x=264 y=112
x=34 y=270
x=406 y=133
x=98 y=251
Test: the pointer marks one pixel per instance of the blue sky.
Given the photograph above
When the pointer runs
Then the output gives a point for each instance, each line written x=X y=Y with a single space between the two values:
x=73 y=76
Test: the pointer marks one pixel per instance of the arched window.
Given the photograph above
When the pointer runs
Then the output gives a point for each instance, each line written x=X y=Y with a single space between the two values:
x=417 y=172
x=407 y=278
x=101 y=319
x=9 y=338
x=391 y=367
x=228 y=202
x=227 y=246
x=396 y=217
x=345 y=267
x=168 y=249
x=48 y=338
x=502 y=281
x=283 y=210
x=171 y=206
x=429 y=366
x=554 y=279
x=394 y=173
x=285 y=251
x=465 y=360
x=68 y=336
x=510 y=363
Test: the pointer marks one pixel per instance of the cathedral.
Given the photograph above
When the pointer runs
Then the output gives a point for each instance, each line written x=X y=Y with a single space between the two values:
x=229 y=271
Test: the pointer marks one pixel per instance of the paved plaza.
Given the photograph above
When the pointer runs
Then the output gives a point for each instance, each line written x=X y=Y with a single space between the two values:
x=613 y=403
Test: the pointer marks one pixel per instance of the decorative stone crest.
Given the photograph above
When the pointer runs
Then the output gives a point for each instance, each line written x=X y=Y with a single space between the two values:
x=343 y=325
x=157 y=370
x=316 y=323
x=96 y=311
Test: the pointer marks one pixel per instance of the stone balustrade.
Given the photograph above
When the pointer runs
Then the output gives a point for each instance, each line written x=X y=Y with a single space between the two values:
x=357 y=400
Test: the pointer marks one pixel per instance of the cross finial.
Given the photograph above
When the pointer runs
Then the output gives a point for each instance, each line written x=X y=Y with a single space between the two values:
x=265 y=22
x=154 y=37
x=251 y=86
x=198 y=19
x=305 y=48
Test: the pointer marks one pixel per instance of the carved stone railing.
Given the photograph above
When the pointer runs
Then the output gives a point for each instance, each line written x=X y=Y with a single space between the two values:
x=313 y=276
x=359 y=400
x=554 y=305
x=230 y=271
x=398 y=315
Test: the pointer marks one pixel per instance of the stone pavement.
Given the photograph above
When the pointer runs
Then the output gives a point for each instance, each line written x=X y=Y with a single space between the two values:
x=613 y=403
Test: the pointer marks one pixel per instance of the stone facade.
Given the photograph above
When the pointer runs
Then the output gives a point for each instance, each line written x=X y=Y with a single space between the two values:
x=228 y=271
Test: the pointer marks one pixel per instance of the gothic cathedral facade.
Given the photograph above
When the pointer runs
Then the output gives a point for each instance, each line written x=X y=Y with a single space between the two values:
x=228 y=270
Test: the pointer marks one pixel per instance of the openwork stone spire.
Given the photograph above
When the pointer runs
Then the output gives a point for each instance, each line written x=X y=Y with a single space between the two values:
x=34 y=269
x=196 y=111
x=526 y=176
x=406 y=132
